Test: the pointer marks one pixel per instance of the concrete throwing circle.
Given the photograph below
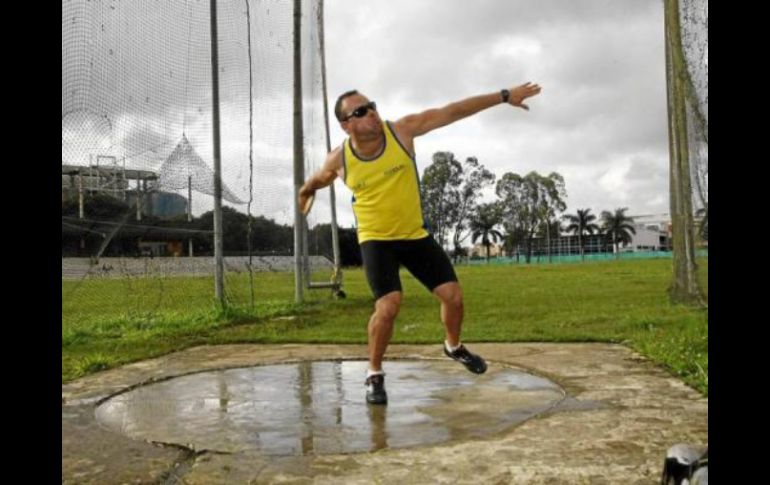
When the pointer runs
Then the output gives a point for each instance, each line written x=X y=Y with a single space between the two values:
x=318 y=407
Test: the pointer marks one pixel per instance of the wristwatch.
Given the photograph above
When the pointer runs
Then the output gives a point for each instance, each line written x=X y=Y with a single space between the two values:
x=505 y=95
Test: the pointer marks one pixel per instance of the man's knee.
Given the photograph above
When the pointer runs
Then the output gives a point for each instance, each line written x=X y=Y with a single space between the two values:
x=450 y=294
x=388 y=306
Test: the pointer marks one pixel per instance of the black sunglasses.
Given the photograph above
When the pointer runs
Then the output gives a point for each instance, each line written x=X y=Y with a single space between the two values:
x=361 y=111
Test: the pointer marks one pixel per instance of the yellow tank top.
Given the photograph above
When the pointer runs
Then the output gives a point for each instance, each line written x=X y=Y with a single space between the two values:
x=386 y=192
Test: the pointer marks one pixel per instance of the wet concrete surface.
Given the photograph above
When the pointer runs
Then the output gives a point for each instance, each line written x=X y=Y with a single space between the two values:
x=319 y=408
x=544 y=413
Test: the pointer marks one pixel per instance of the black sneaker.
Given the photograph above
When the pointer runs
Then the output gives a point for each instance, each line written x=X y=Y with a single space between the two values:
x=375 y=390
x=472 y=362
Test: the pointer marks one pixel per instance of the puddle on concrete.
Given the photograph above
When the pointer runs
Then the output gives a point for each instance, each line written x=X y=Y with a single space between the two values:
x=318 y=407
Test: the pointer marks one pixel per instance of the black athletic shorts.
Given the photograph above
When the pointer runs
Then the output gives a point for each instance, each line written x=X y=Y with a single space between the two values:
x=424 y=258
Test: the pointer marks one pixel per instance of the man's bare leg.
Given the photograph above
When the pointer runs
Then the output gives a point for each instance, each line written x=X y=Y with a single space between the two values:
x=381 y=327
x=451 y=297
x=380 y=331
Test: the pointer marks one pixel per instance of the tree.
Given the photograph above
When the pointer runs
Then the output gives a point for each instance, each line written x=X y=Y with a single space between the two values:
x=482 y=225
x=619 y=227
x=440 y=194
x=550 y=200
x=581 y=223
x=103 y=213
x=320 y=238
x=475 y=178
x=528 y=201
x=97 y=206
x=681 y=96
x=605 y=239
x=703 y=227
x=548 y=228
x=266 y=234
x=514 y=238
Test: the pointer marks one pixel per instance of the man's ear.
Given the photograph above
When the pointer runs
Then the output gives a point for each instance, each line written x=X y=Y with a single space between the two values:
x=344 y=126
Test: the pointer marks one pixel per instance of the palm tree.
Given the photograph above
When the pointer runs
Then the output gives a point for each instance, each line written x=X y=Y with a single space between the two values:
x=482 y=225
x=581 y=223
x=619 y=227
x=604 y=238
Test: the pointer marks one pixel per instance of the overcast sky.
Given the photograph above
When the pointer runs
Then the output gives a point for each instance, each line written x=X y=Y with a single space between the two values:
x=600 y=120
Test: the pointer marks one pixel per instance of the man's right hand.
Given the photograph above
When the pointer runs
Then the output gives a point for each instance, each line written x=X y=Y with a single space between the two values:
x=305 y=193
x=323 y=177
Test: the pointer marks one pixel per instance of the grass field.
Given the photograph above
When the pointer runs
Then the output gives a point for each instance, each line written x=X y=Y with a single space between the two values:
x=111 y=322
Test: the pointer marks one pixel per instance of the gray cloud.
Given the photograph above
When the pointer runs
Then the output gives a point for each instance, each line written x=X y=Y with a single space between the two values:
x=600 y=120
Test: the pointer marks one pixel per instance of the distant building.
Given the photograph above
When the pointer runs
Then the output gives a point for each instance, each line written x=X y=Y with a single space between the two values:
x=653 y=233
x=125 y=185
x=480 y=251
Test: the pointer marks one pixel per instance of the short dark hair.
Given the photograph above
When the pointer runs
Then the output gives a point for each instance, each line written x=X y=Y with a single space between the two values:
x=338 y=104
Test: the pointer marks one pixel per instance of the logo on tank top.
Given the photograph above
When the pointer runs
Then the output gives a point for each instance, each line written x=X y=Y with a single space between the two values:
x=392 y=171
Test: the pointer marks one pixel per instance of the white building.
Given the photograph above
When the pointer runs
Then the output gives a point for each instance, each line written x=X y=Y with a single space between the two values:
x=479 y=250
x=653 y=233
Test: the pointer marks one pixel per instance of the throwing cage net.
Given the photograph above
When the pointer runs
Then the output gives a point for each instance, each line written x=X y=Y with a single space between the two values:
x=137 y=141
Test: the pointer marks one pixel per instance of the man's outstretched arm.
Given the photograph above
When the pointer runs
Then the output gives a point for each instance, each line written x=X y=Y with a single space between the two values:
x=331 y=168
x=415 y=125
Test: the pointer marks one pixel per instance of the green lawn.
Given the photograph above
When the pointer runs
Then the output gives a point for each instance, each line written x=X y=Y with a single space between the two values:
x=111 y=322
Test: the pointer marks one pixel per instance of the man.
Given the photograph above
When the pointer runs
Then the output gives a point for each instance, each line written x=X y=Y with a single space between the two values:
x=377 y=163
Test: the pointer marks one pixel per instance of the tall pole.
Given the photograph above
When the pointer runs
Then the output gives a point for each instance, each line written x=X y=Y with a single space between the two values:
x=335 y=234
x=189 y=214
x=219 y=263
x=305 y=252
x=138 y=200
x=299 y=165
x=81 y=205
